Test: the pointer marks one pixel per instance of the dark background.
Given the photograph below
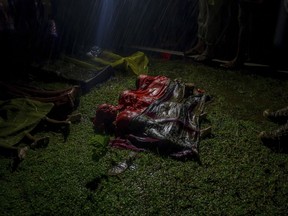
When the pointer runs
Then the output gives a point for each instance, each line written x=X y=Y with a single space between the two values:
x=119 y=24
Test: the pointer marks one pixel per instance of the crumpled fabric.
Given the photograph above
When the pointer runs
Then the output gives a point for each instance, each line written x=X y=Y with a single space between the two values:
x=168 y=122
x=136 y=63
x=20 y=116
x=67 y=97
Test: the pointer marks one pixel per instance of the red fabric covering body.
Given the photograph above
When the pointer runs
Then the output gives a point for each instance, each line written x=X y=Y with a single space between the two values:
x=134 y=102
x=131 y=103
x=160 y=114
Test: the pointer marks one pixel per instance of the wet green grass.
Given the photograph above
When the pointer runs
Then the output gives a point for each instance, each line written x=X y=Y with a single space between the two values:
x=238 y=175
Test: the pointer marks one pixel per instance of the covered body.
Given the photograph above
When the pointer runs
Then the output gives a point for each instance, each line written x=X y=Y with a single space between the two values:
x=161 y=115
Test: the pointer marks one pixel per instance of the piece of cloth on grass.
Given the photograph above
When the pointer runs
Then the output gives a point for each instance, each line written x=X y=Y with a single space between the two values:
x=20 y=116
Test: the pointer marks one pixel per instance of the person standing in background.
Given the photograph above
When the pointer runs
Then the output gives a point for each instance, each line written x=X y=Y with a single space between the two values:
x=257 y=20
x=211 y=27
x=246 y=20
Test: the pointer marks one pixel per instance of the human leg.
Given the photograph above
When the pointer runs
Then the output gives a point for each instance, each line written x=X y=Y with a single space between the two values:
x=215 y=28
x=278 y=116
x=37 y=142
x=246 y=20
x=276 y=139
x=16 y=153
x=62 y=126
x=202 y=17
x=74 y=117
x=13 y=151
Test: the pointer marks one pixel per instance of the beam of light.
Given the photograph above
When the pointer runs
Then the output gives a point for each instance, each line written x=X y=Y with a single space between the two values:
x=106 y=10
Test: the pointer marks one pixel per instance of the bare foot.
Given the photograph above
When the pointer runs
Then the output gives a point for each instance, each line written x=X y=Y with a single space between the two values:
x=74 y=118
x=201 y=58
x=207 y=55
x=65 y=129
x=40 y=143
x=234 y=64
x=22 y=152
x=197 y=49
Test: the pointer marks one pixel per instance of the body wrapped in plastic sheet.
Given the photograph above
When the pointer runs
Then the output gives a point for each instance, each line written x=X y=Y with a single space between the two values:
x=161 y=115
x=20 y=116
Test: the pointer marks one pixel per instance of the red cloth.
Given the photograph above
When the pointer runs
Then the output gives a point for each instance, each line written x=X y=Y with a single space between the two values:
x=132 y=102
x=160 y=115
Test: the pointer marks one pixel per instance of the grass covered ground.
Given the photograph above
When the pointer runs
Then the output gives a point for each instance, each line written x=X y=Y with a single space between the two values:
x=238 y=175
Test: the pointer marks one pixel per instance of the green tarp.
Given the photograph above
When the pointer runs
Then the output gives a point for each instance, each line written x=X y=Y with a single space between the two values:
x=18 y=117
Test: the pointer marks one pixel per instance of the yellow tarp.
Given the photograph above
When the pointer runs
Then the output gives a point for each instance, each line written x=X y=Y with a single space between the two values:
x=136 y=63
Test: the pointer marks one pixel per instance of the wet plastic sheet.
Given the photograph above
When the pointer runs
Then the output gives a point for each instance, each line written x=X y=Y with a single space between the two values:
x=168 y=123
